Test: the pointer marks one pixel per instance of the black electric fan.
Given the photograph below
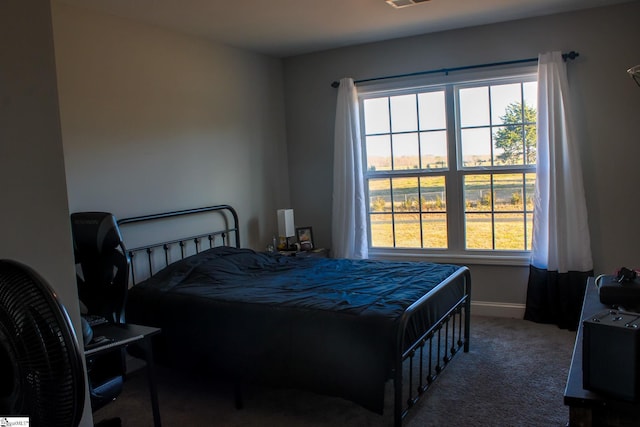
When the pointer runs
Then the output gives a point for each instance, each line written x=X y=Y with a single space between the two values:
x=42 y=376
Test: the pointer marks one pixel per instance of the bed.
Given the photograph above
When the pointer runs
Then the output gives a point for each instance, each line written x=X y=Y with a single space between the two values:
x=338 y=327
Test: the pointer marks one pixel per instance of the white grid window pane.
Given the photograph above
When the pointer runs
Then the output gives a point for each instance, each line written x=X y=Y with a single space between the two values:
x=404 y=114
x=406 y=153
x=474 y=106
x=378 y=152
x=433 y=149
x=376 y=115
x=502 y=96
x=432 y=111
x=476 y=147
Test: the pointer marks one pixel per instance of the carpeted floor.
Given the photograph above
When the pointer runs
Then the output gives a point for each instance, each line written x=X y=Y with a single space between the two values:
x=514 y=375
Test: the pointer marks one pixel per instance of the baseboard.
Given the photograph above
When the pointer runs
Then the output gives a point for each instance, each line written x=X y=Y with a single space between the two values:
x=497 y=309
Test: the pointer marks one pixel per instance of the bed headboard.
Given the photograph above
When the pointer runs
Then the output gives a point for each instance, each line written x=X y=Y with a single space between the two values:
x=180 y=234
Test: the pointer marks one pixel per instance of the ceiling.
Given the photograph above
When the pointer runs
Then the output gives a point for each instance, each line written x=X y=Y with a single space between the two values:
x=283 y=28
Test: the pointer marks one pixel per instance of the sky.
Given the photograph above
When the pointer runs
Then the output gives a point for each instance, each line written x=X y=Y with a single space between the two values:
x=479 y=107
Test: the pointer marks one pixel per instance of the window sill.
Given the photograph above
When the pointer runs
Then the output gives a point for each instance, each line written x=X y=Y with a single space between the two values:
x=521 y=259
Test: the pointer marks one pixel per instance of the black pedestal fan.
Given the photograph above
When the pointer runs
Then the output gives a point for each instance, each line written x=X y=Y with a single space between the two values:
x=41 y=372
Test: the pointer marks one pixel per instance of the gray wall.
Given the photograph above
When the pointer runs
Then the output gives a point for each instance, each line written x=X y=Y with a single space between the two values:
x=34 y=217
x=606 y=100
x=154 y=121
x=140 y=120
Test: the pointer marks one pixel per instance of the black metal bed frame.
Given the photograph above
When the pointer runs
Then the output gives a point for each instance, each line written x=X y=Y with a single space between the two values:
x=420 y=361
x=195 y=241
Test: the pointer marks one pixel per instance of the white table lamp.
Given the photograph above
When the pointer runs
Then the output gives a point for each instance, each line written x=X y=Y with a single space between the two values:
x=286 y=226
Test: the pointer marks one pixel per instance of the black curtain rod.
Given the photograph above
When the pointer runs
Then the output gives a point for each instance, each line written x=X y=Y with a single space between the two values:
x=446 y=71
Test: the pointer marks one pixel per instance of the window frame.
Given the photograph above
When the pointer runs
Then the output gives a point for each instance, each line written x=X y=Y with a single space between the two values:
x=454 y=173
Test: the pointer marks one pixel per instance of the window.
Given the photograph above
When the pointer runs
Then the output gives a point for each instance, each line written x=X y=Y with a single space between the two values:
x=451 y=167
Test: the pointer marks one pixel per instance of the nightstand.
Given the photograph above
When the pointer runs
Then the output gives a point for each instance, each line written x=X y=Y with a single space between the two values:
x=314 y=253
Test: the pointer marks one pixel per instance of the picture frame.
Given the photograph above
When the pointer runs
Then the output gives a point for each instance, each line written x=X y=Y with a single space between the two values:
x=305 y=238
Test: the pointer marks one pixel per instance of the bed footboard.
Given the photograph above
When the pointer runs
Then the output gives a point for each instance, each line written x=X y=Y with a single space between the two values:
x=420 y=362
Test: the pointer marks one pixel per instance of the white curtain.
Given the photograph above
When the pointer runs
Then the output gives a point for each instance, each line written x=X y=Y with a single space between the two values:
x=561 y=241
x=349 y=224
x=561 y=251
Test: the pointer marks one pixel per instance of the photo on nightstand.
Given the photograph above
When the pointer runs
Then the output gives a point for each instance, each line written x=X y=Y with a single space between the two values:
x=305 y=238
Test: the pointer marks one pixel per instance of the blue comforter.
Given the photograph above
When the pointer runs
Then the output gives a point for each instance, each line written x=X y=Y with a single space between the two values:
x=328 y=325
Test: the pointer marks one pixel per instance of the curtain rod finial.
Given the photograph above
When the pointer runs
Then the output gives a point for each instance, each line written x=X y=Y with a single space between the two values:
x=335 y=84
x=571 y=55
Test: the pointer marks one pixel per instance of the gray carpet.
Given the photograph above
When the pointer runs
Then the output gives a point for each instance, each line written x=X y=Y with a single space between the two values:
x=514 y=375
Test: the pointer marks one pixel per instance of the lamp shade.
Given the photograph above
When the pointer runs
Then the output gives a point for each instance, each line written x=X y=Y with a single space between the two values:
x=286 y=227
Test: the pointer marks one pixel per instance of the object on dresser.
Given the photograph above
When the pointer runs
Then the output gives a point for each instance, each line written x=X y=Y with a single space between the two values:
x=622 y=289
x=611 y=354
x=305 y=238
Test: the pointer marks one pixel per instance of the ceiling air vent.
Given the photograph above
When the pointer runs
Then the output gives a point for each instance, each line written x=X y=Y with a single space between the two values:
x=398 y=4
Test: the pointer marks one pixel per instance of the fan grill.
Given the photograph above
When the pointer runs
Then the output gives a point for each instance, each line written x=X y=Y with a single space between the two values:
x=36 y=337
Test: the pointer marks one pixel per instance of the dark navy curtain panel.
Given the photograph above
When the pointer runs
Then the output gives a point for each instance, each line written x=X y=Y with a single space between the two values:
x=555 y=298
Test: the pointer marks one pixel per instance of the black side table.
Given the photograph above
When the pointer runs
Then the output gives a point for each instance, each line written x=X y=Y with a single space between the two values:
x=315 y=253
x=120 y=335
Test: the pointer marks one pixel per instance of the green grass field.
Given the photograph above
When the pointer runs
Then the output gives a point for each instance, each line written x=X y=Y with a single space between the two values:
x=479 y=231
x=509 y=228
